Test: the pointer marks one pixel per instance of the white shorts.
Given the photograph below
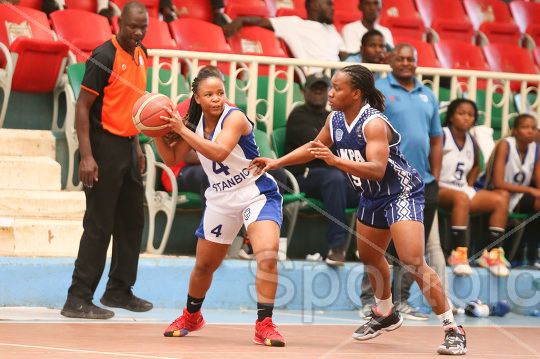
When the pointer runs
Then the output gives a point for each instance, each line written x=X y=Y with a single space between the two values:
x=469 y=191
x=226 y=212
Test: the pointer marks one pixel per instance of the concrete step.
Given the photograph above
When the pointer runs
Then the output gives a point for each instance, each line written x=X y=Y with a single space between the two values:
x=27 y=143
x=30 y=172
x=42 y=204
x=39 y=237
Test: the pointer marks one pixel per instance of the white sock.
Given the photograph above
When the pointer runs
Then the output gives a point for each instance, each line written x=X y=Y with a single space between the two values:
x=447 y=319
x=384 y=306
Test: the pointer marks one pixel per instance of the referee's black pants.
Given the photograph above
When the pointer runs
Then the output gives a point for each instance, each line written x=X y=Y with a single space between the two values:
x=114 y=206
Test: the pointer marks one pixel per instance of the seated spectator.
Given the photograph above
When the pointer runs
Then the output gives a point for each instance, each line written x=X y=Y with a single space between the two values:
x=513 y=167
x=352 y=33
x=316 y=178
x=459 y=171
x=372 y=51
x=313 y=39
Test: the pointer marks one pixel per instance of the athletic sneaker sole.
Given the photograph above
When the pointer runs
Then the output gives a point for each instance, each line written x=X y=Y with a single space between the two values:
x=379 y=332
x=447 y=351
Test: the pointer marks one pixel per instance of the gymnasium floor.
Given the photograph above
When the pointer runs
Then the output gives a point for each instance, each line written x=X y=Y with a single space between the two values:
x=39 y=333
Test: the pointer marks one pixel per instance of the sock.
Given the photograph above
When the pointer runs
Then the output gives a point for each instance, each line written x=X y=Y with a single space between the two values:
x=459 y=236
x=264 y=310
x=447 y=319
x=494 y=234
x=194 y=304
x=384 y=306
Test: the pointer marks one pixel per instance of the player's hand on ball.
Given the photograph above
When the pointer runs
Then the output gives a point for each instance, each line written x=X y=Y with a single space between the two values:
x=322 y=152
x=176 y=122
x=262 y=165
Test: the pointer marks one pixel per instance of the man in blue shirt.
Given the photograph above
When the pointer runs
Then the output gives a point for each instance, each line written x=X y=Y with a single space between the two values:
x=413 y=110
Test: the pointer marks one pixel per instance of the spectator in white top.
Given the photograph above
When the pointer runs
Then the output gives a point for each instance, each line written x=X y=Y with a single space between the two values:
x=352 y=33
x=313 y=39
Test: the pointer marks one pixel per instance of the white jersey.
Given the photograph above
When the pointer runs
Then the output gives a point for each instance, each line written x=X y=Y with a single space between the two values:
x=457 y=161
x=232 y=174
x=519 y=172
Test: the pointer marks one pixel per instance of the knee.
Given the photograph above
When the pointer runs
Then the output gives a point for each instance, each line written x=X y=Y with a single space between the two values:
x=412 y=262
x=204 y=267
x=267 y=264
x=461 y=200
x=501 y=201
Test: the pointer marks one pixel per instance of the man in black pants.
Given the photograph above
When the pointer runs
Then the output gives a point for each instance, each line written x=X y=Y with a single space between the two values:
x=110 y=169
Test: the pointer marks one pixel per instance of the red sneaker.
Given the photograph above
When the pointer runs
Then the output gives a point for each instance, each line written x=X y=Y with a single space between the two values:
x=184 y=324
x=266 y=334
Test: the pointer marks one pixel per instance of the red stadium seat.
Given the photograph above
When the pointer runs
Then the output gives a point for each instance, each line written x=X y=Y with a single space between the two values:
x=86 y=5
x=509 y=58
x=199 y=35
x=301 y=13
x=73 y=26
x=33 y=64
x=447 y=18
x=236 y=8
x=255 y=40
x=492 y=18
x=195 y=9
x=151 y=5
x=347 y=5
x=454 y=54
x=34 y=4
x=426 y=56
x=399 y=8
x=411 y=27
x=526 y=15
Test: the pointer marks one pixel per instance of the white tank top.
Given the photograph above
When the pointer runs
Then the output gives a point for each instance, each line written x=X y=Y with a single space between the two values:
x=516 y=171
x=457 y=161
x=232 y=173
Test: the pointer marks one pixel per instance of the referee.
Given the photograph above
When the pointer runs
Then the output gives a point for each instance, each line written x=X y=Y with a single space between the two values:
x=110 y=169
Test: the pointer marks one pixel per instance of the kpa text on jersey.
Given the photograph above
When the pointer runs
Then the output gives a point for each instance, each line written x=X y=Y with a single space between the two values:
x=232 y=181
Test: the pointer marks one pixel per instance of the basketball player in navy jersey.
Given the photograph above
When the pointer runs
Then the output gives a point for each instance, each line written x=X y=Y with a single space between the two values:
x=391 y=198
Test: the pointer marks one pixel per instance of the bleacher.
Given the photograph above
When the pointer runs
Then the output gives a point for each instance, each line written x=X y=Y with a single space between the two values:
x=261 y=78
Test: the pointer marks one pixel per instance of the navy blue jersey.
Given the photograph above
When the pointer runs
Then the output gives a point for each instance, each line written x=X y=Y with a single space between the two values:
x=399 y=178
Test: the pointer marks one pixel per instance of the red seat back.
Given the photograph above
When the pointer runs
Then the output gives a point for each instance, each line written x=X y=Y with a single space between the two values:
x=411 y=27
x=460 y=54
x=151 y=5
x=72 y=25
x=453 y=29
x=198 y=35
x=440 y=9
x=34 y=4
x=301 y=13
x=85 y=5
x=236 y=8
x=502 y=33
x=426 y=55
x=509 y=58
x=399 y=8
x=346 y=5
x=536 y=55
x=37 y=20
x=525 y=13
x=255 y=37
x=195 y=9
x=482 y=11
x=38 y=65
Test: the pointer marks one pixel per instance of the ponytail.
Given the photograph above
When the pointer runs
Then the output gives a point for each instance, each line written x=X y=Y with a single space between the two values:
x=362 y=79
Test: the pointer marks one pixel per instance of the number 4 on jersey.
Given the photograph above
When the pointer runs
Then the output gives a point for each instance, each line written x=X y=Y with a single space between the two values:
x=219 y=167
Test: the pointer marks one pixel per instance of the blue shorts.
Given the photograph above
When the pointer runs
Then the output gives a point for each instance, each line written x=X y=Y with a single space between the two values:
x=382 y=212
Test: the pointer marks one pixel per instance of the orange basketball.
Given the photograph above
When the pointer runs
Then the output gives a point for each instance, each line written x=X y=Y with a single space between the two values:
x=147 y=113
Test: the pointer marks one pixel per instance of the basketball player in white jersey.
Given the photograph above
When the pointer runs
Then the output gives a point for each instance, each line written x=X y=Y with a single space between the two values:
x=460 y=166
x=512 y=166
x=391 y=198
x=223 y=138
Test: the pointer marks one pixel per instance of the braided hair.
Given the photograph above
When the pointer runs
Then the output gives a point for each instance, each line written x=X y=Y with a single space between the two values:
x=362 y=79
x=194 y=112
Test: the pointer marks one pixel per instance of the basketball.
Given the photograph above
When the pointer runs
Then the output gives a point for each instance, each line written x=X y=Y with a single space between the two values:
x=147 y=113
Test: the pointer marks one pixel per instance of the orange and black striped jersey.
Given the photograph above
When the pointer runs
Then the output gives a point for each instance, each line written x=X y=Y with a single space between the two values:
x=119 y=80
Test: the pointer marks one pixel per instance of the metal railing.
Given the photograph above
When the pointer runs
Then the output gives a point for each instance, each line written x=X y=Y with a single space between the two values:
x=462 y=83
